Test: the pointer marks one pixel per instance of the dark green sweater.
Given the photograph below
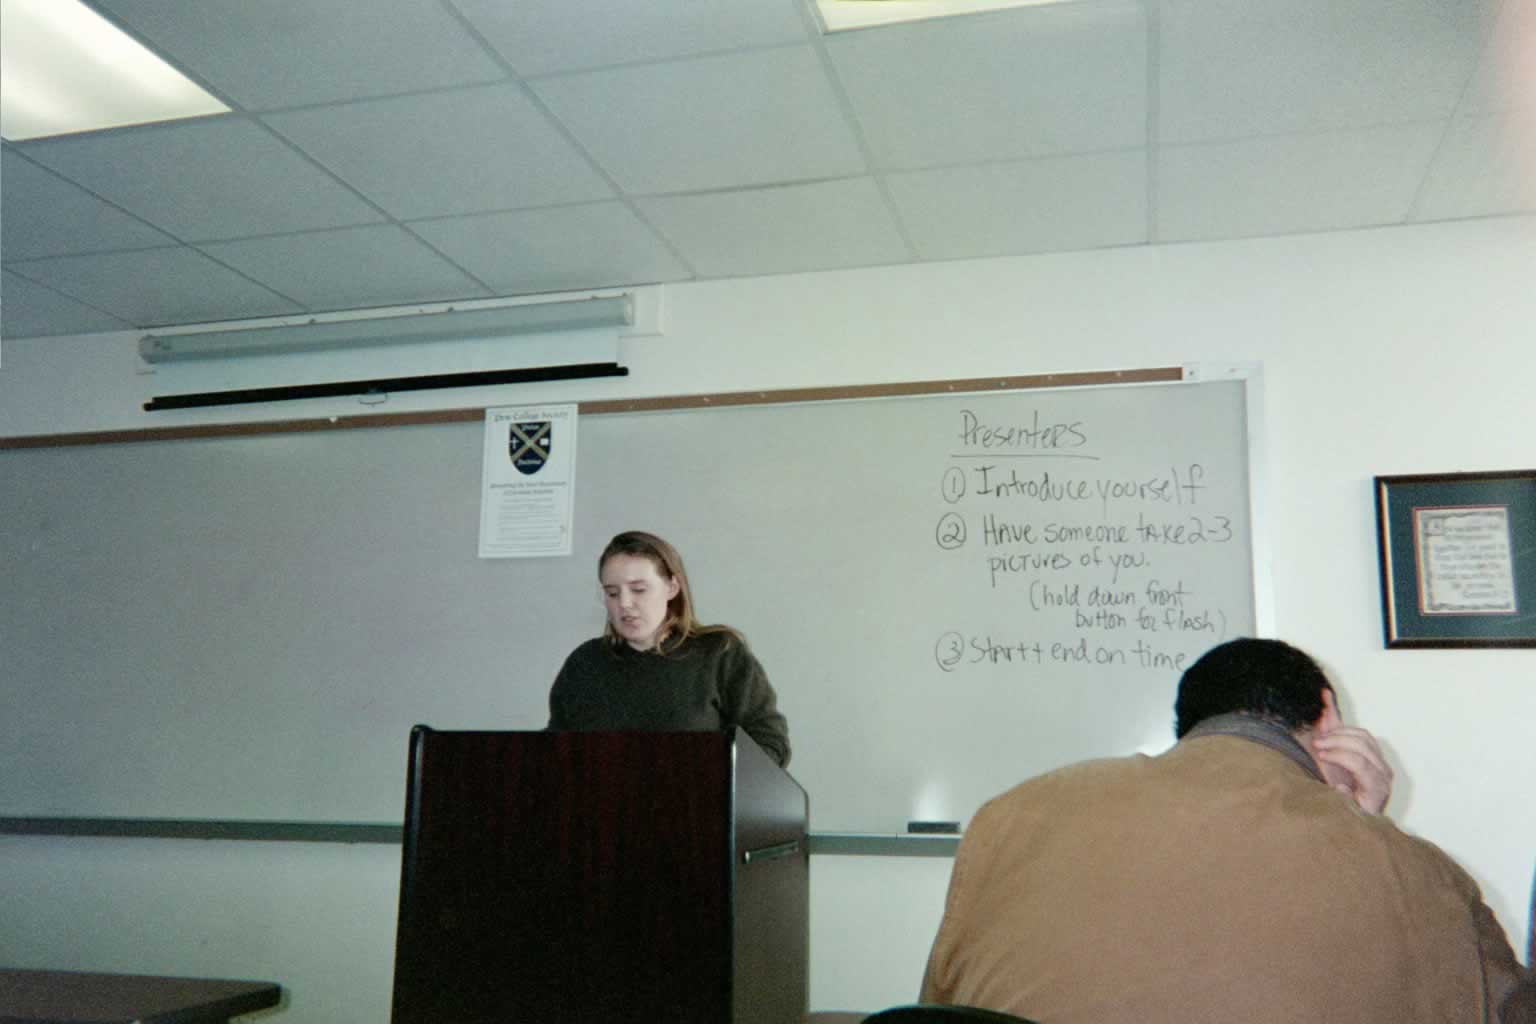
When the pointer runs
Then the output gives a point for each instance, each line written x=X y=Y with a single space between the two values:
x=711 y=682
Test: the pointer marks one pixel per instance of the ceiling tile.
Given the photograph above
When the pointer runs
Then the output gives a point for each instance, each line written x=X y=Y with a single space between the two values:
x=1234 y=69
x=760 y=118
x=283 y=53
x=349 y=268
x=44 y=215
x=30 y=310
x=540 y=36
x=1022 y=83
x=1076 y=202
x=594 y=245
x=153 y=287
x=1294 y=183
x=217 y=178
x=775 y=230
x=464 y=151
x=1486 y=165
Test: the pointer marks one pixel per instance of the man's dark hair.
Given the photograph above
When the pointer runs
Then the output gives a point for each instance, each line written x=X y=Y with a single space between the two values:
x=1268 y=679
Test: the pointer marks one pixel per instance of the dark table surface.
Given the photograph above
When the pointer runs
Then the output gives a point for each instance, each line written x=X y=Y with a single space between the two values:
x=77 y=997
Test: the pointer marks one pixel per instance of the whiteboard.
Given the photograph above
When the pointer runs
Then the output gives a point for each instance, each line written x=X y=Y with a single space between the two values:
x=950 y=593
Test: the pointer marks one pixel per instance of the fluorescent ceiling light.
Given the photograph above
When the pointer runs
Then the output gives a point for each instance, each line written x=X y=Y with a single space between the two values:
x=64 y=69
x=372 y=332
x=839 y=15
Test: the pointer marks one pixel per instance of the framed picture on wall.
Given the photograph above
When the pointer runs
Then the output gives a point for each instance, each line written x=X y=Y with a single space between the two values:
x=1458 y=559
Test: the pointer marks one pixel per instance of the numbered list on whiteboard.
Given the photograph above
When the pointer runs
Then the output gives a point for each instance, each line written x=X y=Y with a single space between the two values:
x=1118 y=546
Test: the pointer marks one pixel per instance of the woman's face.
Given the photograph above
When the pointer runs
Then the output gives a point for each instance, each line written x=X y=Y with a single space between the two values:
x=636 y=597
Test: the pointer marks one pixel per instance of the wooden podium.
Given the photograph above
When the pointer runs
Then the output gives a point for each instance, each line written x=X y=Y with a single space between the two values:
x=578 y=878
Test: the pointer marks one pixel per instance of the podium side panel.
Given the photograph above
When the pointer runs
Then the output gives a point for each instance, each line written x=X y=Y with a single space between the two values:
x=771 y=895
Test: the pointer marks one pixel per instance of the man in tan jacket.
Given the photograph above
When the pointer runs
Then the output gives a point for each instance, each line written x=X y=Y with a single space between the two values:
x=1246 y=876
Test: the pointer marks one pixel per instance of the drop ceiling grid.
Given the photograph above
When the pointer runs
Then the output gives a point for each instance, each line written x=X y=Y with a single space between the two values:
x=506 y=149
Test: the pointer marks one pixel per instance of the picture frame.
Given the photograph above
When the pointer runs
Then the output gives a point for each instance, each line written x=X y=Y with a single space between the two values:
x=1458 y=559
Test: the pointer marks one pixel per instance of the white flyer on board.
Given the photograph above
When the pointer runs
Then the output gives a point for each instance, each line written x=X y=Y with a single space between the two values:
x=528 y=481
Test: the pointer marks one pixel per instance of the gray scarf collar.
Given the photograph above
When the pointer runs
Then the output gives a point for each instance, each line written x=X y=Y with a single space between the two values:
x=1260 y=731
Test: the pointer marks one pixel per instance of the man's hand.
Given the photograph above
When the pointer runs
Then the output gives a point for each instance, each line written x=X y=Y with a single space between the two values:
x=1351 y=762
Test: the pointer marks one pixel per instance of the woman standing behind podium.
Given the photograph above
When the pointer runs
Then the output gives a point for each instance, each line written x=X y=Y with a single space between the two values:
x=656 y=668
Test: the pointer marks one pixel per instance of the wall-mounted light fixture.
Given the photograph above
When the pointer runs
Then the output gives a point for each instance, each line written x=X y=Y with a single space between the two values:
x=366 y=333
x=449 y=325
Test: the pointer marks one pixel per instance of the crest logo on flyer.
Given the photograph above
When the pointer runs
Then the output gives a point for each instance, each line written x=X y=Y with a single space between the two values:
x=528 y=443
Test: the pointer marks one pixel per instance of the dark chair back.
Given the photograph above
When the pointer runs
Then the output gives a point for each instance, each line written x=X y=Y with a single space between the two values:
x=935 y=1014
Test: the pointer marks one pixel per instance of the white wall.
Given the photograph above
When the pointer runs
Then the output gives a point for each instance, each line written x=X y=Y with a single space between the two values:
x=318 y=918
x=1389 y=351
